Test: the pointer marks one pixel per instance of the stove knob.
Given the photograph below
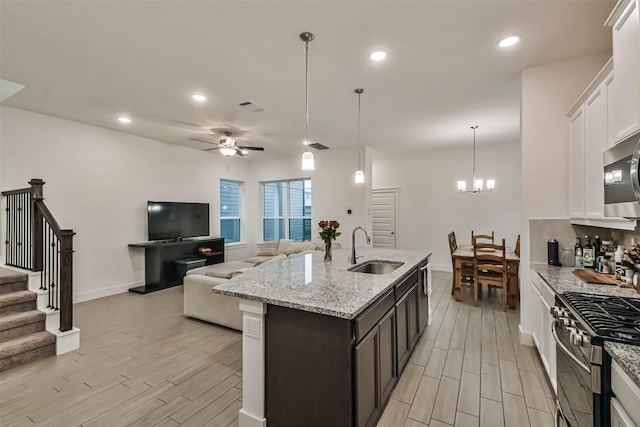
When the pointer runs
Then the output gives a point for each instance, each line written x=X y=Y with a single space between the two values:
x=565 y=322
x=555 y=311
x=586 y=339
x=575 y=338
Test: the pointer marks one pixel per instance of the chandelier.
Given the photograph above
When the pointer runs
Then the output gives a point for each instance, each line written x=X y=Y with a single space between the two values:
x=477 y=185
x=307 y=156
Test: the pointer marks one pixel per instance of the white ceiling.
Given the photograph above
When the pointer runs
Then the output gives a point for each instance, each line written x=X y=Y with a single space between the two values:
x=91 y=61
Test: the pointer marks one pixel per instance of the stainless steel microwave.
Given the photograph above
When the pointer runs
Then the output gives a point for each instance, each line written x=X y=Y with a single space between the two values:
x=621 y=179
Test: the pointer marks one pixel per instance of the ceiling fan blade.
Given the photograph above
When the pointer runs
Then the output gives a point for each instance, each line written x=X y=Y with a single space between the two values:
x=202 y=140
x=250 y=148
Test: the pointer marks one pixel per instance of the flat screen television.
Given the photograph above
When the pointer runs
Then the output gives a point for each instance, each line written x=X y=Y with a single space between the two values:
x=176 y=220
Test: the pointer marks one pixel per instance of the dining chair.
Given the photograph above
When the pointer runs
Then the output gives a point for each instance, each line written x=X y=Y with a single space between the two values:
x=517 y=249
x=490 y=268
x=488 y=237
x=466 y=271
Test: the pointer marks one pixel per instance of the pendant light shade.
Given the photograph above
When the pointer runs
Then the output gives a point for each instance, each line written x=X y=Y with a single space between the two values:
x=359 y=176
x=307 y=157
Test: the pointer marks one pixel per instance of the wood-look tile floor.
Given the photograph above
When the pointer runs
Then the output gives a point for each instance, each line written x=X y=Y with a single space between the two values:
x=142 y=363
x=469 y=369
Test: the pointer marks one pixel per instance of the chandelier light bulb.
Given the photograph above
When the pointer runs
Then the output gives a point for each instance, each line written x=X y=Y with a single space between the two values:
x=462 y=186
x=491 y=184
x=227 y=152
x=477 y=185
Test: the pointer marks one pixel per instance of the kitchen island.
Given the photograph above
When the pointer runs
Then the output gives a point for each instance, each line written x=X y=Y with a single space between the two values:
x=324 y=346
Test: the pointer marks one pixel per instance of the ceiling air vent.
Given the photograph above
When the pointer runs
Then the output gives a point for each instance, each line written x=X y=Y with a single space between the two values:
x=318 y=146
x=251 y=106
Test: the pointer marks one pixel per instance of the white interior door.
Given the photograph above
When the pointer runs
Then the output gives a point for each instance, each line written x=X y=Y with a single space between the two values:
x=383 y=205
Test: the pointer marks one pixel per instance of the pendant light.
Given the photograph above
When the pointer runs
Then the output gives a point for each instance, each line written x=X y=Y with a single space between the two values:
x=307 y=156
x=477 y=185
x=359 y=177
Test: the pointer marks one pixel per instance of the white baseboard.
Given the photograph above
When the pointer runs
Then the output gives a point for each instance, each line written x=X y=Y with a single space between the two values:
x=246 y=419
x=104 y=292
x=442 y=267
x=67 y=341
x=526 y=338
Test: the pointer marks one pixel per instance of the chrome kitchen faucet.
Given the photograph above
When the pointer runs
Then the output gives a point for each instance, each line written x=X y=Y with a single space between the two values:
x=353 y=242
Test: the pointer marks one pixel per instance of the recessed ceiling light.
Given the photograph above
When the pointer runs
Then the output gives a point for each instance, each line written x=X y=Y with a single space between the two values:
x=509 y=41
x=198 y=97
x=124 y=120
x=378 y=55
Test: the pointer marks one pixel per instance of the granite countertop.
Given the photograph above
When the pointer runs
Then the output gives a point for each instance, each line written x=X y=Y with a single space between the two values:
x=307 y=283
x=562 y=279
x=627 y=356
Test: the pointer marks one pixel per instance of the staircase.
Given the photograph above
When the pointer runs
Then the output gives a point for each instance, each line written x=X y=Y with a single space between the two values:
x=23 y=337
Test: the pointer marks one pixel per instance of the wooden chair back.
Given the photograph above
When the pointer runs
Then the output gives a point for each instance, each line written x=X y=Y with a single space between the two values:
x=517 y=249
x=453 y=245
x=490 y=268
x=482 y=238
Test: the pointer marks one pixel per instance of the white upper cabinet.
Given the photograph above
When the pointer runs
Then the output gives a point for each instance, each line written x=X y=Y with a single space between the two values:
x=595 y=117
x=576 y=167
x=624 y=21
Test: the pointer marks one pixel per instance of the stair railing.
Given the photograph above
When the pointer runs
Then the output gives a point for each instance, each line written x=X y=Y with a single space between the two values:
x=34 y=241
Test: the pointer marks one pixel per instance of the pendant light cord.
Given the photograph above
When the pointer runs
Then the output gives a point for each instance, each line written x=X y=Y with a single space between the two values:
x=359 y=93
x=306 y=86
x=474 y=154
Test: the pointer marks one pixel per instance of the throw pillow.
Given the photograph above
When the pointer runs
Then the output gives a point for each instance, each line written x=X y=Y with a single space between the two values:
x=295 y=248
x=283 y=246
x=267 y=248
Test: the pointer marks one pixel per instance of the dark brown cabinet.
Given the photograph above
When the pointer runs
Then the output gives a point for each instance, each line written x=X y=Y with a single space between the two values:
x=327 y=371
x=375 y=370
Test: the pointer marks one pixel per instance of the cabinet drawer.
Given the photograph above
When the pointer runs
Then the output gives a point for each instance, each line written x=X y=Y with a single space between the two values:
x=372 y=315
x=406 y=283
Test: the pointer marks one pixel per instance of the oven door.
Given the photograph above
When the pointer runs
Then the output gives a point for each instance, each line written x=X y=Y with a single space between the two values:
x=621 y=179
x=575 y=393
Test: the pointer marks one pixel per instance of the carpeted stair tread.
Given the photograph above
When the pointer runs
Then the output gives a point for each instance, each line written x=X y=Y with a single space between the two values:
x=26 y=343
x=10 y=276
x=15 y=298
x=21 y=318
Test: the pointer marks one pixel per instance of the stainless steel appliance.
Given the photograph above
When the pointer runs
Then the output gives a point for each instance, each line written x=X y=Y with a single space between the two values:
x=621 y=179
x=583 y=322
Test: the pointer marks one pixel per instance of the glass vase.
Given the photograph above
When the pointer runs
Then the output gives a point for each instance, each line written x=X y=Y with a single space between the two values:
x=327 y=251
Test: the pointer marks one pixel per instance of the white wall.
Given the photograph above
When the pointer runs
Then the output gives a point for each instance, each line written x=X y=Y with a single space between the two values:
x=332 y=188
x=429 y=205
x=547 y=94
x=98 y=182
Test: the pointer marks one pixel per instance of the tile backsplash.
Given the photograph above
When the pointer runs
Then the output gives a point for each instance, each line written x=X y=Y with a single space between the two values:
x=542 y=230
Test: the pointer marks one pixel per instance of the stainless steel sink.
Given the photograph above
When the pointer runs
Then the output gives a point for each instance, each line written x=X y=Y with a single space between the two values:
x=376 y=266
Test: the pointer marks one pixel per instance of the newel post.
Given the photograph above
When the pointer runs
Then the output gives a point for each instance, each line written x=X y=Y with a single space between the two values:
x=36 y=223
x=66 y=280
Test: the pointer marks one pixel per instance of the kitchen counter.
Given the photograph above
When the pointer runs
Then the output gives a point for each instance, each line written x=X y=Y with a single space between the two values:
x=627 y=356
x=562 y=279
x=306 y=282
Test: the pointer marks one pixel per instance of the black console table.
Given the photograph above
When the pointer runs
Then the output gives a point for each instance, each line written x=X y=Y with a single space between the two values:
x=160 y=260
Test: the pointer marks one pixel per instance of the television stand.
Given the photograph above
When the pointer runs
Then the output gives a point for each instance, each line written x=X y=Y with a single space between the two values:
x=159 y=260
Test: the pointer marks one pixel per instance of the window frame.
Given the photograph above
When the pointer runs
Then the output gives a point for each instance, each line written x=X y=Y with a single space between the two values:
x=287 y=217
x=240 y=218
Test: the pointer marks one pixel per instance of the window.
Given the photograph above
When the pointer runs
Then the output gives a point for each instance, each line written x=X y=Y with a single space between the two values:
x=230 y=210
x=287 y=210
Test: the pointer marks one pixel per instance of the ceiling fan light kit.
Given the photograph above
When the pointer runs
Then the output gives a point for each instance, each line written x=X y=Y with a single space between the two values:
x=228 y=147
x=308 y=163
x=477 y=185
x=359 y=176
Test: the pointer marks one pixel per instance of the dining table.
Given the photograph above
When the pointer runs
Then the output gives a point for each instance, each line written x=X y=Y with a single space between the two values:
x=465 y=253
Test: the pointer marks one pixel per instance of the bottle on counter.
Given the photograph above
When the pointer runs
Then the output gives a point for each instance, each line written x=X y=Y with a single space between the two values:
x=577 y=250
x=587 y=254
x=597 y=247
x=619 y=271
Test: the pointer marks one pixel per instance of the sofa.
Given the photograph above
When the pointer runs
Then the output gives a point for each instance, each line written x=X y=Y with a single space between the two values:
x=200 y=303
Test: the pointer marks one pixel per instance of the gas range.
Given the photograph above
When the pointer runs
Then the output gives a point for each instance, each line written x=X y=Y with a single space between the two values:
x=610 y=318
x=583 y=322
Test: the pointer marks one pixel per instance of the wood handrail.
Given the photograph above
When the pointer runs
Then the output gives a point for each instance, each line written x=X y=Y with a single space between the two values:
x=20 y=191
x=46 y=214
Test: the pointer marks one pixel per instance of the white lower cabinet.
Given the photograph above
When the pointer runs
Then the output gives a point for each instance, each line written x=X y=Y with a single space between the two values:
x=619 y=417
x=625 y=408
x=543 y=337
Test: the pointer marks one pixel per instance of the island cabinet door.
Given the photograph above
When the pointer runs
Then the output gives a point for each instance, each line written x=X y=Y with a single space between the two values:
x=388 y=374
x=367 y=381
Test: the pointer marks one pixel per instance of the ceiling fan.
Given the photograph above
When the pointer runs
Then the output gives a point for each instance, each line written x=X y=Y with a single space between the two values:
x=228 y=147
